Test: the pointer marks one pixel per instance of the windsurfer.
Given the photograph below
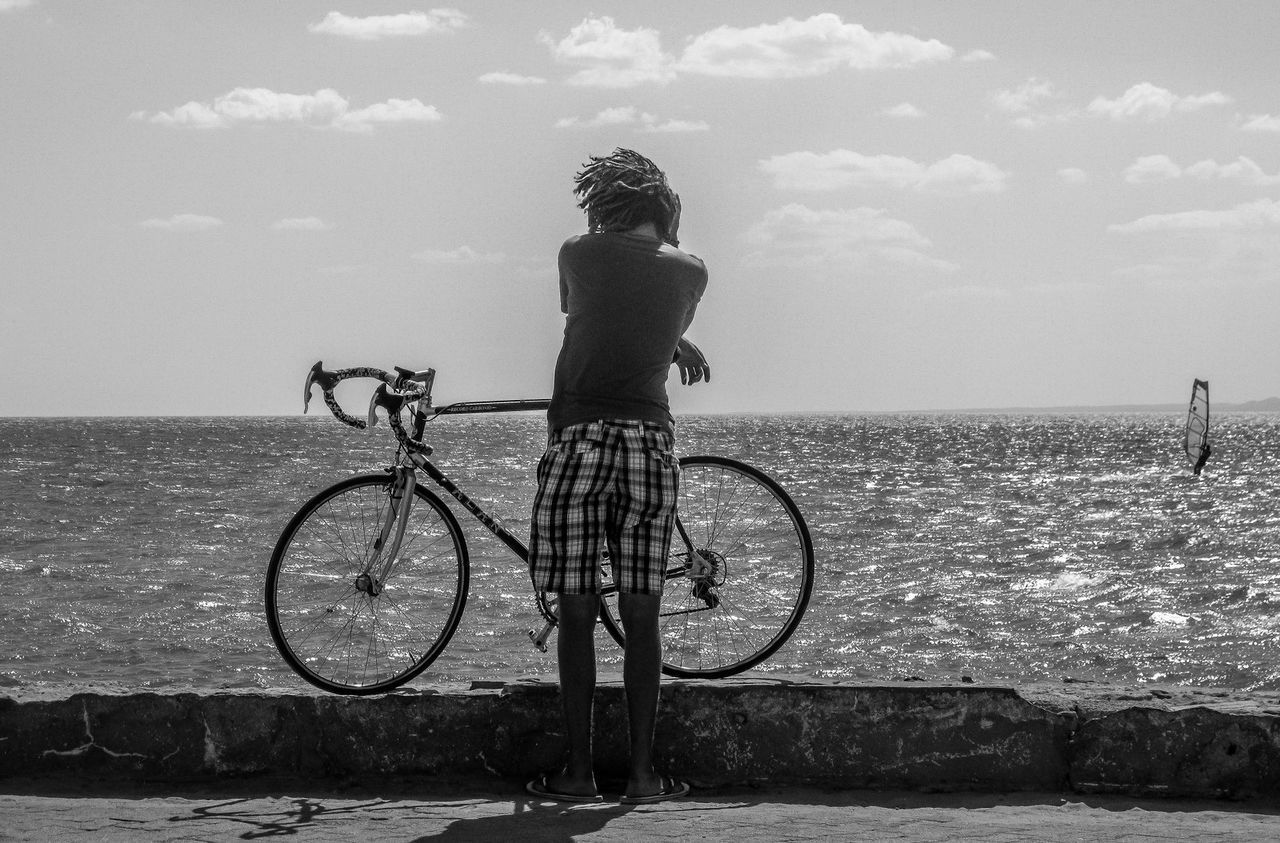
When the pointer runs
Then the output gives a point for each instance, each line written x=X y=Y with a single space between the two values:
x=1203 y=458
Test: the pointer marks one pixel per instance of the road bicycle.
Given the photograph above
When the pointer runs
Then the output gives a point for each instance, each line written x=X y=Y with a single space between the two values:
x=369 y=579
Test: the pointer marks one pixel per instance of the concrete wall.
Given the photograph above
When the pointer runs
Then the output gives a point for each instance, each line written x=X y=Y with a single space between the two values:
x=907 y=735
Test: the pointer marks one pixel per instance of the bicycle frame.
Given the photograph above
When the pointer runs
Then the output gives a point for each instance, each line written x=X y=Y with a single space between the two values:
x=492 y=524
x=403 y=487
x=697 y=568
x=743 y=556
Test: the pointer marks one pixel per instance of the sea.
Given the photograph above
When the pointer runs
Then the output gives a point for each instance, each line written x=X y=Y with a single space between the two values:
x=993 y=548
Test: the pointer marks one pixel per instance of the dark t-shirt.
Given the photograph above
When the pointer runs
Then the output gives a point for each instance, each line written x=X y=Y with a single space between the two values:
x=627 y=301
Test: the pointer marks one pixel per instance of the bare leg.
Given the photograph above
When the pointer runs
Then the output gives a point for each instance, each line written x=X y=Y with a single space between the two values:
x=641 y=675
x=576 y=653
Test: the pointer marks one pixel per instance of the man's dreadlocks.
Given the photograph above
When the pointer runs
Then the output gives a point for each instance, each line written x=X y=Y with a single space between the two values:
x=624 y=190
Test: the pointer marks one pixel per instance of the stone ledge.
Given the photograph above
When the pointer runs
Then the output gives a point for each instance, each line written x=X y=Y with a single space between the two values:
x=907 y=735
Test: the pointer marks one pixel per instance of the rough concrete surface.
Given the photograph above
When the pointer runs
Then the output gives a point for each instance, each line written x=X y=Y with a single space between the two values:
x=738 y=815
x=733 y=733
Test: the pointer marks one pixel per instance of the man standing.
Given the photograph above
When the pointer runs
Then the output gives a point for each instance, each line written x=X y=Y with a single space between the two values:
x=609 y=477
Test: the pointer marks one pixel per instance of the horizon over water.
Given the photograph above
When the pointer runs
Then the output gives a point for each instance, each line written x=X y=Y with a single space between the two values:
x=1264 y=405
x=1000 y=547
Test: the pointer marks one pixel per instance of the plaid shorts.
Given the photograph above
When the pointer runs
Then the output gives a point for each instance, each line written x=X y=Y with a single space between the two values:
x=604 y=485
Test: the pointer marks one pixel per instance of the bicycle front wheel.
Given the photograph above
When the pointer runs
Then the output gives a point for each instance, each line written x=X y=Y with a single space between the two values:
x=344 y=629
x=756 y=575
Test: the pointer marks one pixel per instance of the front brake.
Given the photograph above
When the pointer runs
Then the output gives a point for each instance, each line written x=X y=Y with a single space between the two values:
x=317 y=375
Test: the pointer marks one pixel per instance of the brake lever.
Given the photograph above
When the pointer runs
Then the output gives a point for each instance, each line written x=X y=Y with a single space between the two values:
x=387 y=401
x=317 y=375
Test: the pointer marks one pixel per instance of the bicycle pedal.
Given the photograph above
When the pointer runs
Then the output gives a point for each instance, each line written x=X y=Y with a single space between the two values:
x=537 y=640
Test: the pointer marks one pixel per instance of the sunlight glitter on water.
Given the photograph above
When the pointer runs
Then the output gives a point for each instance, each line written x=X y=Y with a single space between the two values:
x=1003 y=548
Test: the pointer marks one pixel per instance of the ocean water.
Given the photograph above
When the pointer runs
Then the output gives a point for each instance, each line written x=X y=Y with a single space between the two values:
x=1002 y=548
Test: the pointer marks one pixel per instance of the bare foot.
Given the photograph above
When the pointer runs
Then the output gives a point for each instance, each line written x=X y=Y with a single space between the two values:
x=564 y=787
x=666 y=787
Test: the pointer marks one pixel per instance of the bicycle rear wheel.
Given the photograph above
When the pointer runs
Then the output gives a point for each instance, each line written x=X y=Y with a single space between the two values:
x=338 y=628
x=760 y=556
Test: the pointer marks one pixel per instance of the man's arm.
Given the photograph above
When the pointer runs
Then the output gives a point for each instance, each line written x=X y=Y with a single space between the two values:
x=692 y=362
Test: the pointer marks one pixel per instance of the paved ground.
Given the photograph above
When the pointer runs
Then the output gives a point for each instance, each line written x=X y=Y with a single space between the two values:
x=747 y=816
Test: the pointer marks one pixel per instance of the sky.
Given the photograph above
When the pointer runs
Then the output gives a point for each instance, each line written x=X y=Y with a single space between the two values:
x=902 y=205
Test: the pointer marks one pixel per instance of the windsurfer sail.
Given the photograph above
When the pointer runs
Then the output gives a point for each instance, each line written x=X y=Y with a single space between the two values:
x=1197 y=430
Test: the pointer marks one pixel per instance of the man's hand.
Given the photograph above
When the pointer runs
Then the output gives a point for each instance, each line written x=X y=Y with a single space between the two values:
x=693 y=365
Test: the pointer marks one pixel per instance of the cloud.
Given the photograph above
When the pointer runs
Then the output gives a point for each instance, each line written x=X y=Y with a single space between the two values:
x=182 y=222
x=1251 y=216
x=678 y=126
x=809 y=47
x=799 y=225
x=502 y=78
x=1145 y=101
x=857 y=237
x=631 y=116
x=301 y=224
x=1223 y=247
x=1032 y=122
x=461 y=256
x=1024 y=97
x=903 y=109
x=611 y=57
x=1152 y=168
x=844 y=168
x=1028 y=104
x=1243 y=170
x=13 y=5
x=618 y=116
x=978 y=55
x=1261 y=123
x=1073 y=175
x=799 y=48
x=379 y=27
x=391 y=111
x=1032 y=104
x=325 y=109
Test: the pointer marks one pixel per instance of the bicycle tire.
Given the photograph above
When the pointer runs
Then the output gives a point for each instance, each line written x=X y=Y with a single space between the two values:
x=751 y=531
x=332 y=631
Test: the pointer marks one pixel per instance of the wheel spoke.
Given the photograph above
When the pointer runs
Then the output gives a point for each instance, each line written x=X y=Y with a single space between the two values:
x=338 y=627
x=756 y=542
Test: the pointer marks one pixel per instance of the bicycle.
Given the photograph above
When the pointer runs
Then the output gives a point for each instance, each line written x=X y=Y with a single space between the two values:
x=369 y=579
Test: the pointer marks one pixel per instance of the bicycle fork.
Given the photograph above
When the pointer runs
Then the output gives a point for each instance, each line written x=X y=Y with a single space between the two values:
x=383 y=557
